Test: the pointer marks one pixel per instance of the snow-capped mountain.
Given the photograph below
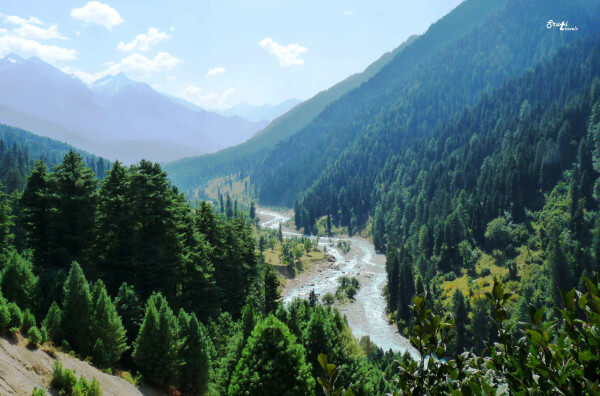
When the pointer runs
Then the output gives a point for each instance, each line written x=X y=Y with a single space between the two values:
x=114 y=117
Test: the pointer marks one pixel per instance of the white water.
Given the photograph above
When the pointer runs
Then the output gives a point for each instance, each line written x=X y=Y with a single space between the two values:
x=366 y=315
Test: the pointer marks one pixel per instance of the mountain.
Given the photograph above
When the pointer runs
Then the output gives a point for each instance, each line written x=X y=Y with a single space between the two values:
x=19 y=148
x=115 y=117
x=258 y=113
x=111 y=85
x=190 y=173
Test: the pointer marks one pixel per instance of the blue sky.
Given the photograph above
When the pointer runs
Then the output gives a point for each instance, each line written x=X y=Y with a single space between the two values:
x=216 y=53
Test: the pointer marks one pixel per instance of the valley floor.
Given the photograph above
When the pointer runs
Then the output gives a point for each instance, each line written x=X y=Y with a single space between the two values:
x=366 y=314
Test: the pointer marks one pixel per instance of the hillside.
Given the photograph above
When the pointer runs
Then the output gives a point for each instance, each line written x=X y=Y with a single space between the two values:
x=191 y=173
x=338 y=157
x=115 y=118
x=19 y=149
x=23 y=369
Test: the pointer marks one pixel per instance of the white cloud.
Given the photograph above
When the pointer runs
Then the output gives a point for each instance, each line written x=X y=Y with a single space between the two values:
x=214 y=71
x=171 y=78
x=349 y=13
x=27 y=47
x=210 y=100
x=31 y=28
x=143 y=66
x=98 y=13
x=143 y=42
x=16 y=20
x=287 y=55
x=38 y=33
x=136 y=65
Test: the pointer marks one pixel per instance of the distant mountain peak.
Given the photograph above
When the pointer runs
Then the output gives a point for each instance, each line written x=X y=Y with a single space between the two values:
x=13 y=58
x=110 y=85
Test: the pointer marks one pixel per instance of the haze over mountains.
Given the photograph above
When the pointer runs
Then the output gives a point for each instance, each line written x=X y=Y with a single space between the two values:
x=266 y=112
x=115 y=117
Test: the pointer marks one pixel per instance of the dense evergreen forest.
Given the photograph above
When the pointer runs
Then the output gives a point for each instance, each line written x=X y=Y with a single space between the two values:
x=19 y=149
x=123 y=271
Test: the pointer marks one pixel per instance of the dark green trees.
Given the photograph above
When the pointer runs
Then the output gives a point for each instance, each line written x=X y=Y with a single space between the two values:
x=77 y=310
x=73 y=189
x=272 y=363
x=37 y=213
x=114 y=229
x=19 y=284
x=195 y=371
x=5 y=224
x=461 y=337
x=107 y=329
x=156 y=350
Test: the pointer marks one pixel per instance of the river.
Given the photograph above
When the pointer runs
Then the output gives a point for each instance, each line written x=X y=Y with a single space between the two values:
x=366 y=315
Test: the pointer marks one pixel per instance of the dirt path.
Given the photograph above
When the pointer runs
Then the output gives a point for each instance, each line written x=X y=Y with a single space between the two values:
x=366 y=315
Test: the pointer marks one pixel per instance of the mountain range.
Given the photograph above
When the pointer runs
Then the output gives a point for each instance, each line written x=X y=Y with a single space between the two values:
x=261 y=113
x=114 y=117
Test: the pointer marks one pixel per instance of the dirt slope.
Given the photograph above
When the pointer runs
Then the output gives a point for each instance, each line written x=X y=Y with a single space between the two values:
x=22 y=369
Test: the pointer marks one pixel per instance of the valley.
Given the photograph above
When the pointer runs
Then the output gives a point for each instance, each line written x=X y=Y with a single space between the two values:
x=366 y=315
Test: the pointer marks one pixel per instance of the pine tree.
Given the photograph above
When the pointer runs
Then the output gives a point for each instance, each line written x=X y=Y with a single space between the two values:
x=319 y=336
x=406 y=287
x=157 y=345
x=130 y=310
x=106 y=326
x=19 y=284
x=77 y=310
x=252 y=213
x=52 y=322
x=272 y=363
x=228 y=207
x=272 y=294
x=461 y=338
x=158 y=248
x=195 y=371
x=6 y=222
x=74 y=188
x=560 y=270
x=393 y=270
x=114 y=230
x=37 y=214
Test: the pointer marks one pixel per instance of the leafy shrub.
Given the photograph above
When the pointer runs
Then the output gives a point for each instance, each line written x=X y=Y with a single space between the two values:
x=16 y=316
x=4 y=316
x=351 y=291
x=35 y=336
x=328 y=298
x=485 y=271
x=63 y=379
x=38 y=392
x=28 y=321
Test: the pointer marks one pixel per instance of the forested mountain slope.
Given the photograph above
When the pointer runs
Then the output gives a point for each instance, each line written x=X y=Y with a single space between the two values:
x=341 y=153
x=19 y=148
x=190 y=173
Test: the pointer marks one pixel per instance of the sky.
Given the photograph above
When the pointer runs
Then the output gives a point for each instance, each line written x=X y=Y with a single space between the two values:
x=216 y=54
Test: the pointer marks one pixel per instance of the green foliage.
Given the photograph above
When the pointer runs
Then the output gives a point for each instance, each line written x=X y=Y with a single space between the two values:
x=77 y=311
x=16 y=315
x=195 y=371
x=130 y=309
x=4 y=315
x=52 y=323
x=65 y=381
x=157 y=346
x=34 y=335
x=38 y=392
x=272 y=363
x=106 y=327
x=19 y=284
x=28 y=321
